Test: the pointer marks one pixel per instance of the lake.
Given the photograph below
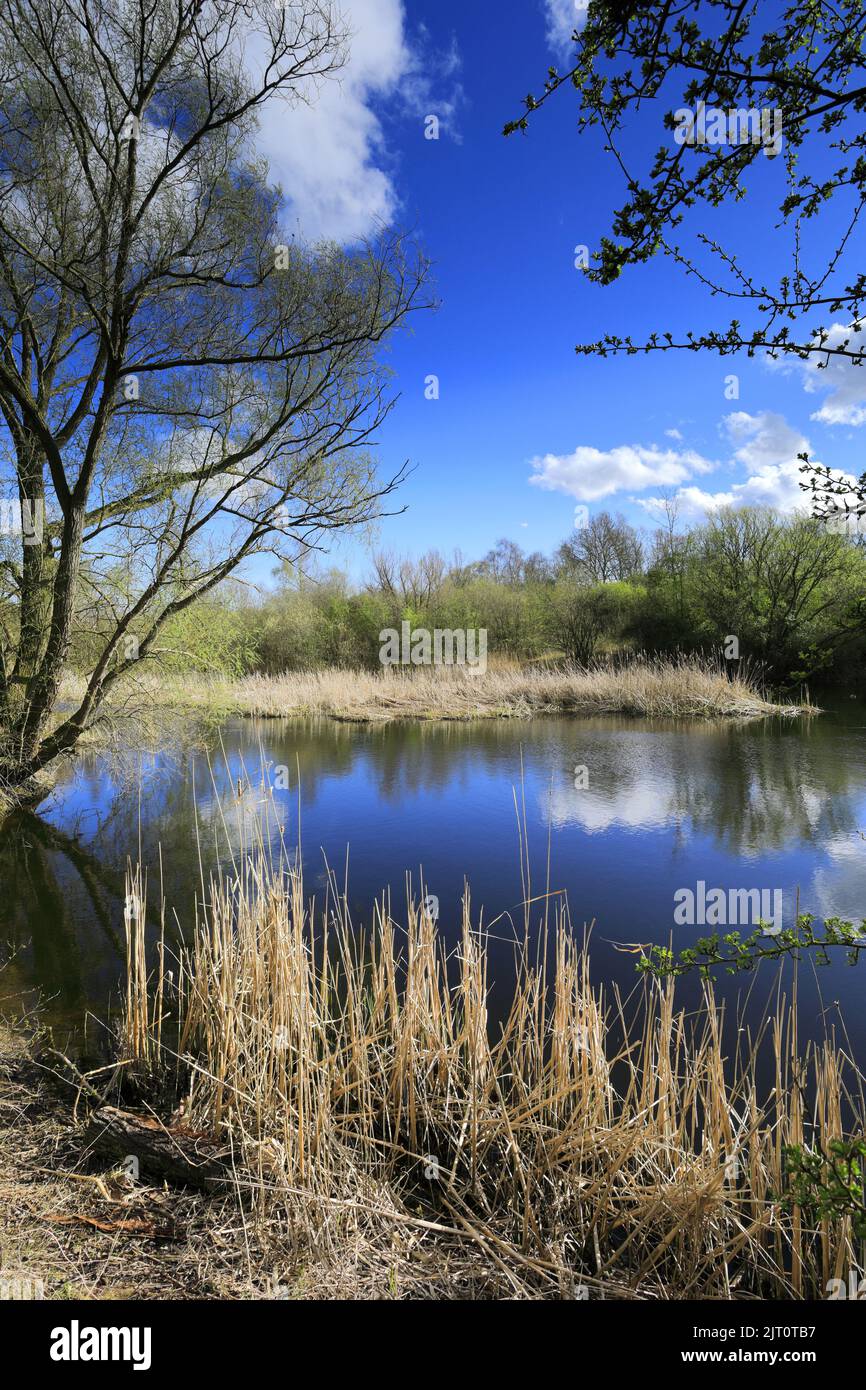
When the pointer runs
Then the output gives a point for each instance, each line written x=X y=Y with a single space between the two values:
x=633 y=812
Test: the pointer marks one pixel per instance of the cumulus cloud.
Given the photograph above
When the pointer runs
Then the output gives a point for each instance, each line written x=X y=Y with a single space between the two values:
x=767 y=448
x=590 y=474
x=329 y=153
x=763 y=439
x=691 y=502
x=763 y=456
x=842 y=378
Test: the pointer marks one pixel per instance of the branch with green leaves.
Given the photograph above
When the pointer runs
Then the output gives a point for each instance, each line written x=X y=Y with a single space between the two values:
x=800 y=65
x=826 y=1183
x=735 y=953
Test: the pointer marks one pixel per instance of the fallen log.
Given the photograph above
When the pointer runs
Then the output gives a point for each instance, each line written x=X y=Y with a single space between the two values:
x=171 y=1152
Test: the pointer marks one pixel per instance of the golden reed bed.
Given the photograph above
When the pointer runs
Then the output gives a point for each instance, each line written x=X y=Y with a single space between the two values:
x=672 y=688
x=388 y=1138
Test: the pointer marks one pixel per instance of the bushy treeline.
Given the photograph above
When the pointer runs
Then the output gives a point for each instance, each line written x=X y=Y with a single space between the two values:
x=790 y=591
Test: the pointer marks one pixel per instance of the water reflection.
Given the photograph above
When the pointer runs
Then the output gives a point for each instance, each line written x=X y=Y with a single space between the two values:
x=59 y=911
x=768 y=805
x=752 y=789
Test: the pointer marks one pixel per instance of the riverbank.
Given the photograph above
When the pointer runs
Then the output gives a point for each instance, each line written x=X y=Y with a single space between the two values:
x=684 y=688
x=73 y=1230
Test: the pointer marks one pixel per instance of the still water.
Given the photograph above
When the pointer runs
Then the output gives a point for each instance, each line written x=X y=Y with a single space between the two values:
x=659 y=807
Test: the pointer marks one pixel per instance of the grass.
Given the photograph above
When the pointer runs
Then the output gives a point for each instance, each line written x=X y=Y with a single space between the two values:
x=677 y=687
x=386 y=1139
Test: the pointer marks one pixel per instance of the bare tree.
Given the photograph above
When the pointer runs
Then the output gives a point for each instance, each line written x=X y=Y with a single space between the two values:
x=671 y=550
x=411 y=583
x=537 y=569
x=606 y=549
x=180 y=385
x=505 y=562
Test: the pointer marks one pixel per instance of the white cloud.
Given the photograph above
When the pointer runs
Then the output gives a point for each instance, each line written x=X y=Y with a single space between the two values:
x=692 y=501
x=563 y=17
x=767 y=447
x=763 y=439
x=590 y=474
x=845 y=381
x=329 y=155
x=431 y=85
x=673 y=434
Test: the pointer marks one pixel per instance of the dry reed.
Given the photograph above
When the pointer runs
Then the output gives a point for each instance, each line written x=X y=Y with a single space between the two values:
x=387 y=1138
x=677 y=687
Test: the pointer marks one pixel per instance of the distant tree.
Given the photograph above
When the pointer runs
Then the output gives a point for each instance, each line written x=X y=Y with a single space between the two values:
x=606 y=549
x=505 y=562
x=412 y=583
x=179 y=387
x=581 y=616
x=805 y=61
x=537 y=569
x=670 y=553
x=788 y=588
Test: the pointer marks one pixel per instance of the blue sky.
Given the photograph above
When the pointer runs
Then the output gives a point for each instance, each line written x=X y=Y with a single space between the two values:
x=500 y=220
